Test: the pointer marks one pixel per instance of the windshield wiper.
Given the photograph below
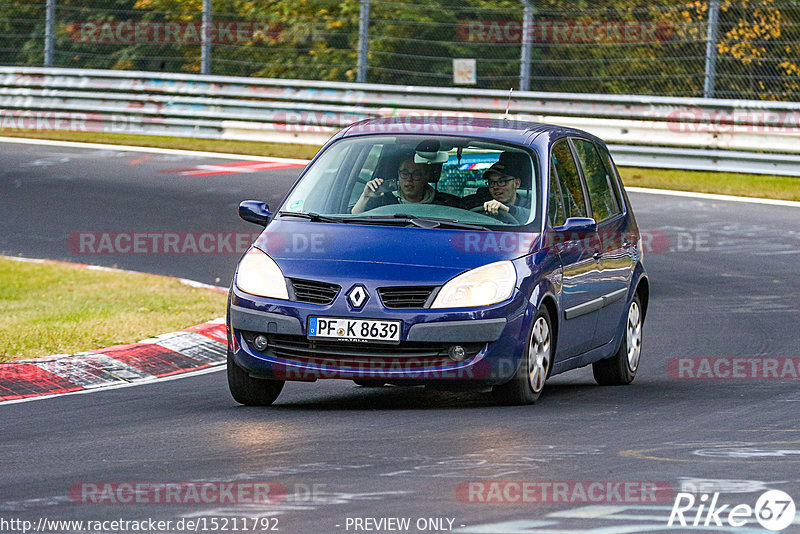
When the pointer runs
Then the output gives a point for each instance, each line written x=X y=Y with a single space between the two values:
x=398 y=218
x=437 y=222
x=313 y=217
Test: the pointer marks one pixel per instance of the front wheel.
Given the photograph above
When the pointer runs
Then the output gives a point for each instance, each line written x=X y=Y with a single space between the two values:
x=528 y=382
x=621 y=368
x=251 y=391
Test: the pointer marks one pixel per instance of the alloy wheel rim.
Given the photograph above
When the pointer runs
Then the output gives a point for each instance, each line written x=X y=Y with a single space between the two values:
x=634 y=335
x=539 y=355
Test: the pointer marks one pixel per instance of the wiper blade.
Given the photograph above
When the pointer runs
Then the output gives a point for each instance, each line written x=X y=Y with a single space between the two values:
x=373 y=219
x=398 y=218
x=420 y=222
x=438 y=222
x=311 y=216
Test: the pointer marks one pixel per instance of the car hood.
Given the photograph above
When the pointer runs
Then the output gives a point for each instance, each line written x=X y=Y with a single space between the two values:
x=404 y=255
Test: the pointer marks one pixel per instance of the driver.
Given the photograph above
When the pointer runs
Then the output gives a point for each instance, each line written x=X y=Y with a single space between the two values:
x=413 y=180
x=503 y=188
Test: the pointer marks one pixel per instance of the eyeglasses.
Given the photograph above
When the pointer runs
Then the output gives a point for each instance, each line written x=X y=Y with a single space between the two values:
x=501 y=182
x=408 y=175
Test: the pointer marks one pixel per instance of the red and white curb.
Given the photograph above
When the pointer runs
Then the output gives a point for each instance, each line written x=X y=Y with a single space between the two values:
x=239 y=167
x=193 y=349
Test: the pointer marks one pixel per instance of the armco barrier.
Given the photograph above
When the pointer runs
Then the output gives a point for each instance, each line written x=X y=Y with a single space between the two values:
x=703 y=134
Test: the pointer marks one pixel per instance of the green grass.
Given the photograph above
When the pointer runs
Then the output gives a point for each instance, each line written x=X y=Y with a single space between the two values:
x=62 y=309
x=252 y=148
x=748 y=185
x=723 y=183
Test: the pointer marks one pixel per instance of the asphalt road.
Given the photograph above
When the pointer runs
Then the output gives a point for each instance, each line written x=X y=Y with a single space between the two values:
x=725 y=285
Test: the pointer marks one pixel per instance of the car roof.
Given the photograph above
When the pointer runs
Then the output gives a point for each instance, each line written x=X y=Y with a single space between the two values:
x=508 y=130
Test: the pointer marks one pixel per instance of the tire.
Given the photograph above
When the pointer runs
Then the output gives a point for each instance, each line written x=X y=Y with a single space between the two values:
x=534 y=367
x=367 y=383
x=251 y=391
x=621 y=368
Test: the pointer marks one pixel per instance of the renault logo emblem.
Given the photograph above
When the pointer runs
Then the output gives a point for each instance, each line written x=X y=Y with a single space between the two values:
x=357 y=296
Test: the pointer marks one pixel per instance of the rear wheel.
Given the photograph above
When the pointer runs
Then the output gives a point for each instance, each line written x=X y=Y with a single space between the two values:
x=534 y=366
x=251 y=391
x=621 y=368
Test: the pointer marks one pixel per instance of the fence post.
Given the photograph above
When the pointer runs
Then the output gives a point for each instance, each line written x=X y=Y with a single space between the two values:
x=205 y=33
x=363 y=41
x=49 y=32
x=527 y=45
x=711 y=49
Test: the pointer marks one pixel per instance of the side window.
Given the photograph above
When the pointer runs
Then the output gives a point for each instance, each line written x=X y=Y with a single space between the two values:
x=604 y=202
x=556 y=200
x=613 y=173
x=570 y=180
x=365 y=174
x=370 y=163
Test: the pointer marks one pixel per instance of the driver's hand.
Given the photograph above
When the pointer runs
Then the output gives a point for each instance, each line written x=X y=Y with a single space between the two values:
x=493 y=207
x=370 y=190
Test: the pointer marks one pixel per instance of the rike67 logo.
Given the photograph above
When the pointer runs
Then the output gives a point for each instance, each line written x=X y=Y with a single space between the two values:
x=774 y=510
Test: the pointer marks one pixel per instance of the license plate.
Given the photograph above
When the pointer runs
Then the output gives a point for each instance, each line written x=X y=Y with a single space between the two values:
x=353 y=329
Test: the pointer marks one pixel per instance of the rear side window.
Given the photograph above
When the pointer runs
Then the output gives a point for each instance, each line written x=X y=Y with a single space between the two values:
x=569 y=179
x=598 y=181
x=613 y=173
x=556 y=200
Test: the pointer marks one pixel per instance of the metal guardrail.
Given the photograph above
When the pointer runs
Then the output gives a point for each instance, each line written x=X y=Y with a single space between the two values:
x=683 y=133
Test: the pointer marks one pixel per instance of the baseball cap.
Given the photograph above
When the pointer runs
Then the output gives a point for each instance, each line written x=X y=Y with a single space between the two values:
x=497 y=168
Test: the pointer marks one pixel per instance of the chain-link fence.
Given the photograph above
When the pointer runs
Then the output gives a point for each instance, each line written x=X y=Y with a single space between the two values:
x=724 y=48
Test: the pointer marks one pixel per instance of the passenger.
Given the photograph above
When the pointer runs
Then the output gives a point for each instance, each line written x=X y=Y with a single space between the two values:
x=503 y=188
x=413 y=187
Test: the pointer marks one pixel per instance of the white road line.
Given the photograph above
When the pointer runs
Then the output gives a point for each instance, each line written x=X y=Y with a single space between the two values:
x=154 y=380
x=185 y=281
x=151 y=150
x=98 y=146
x=712 y=196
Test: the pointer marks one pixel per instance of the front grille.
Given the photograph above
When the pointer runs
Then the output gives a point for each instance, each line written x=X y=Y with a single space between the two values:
x=405 y=297
x=314 y=292
x=340 y=354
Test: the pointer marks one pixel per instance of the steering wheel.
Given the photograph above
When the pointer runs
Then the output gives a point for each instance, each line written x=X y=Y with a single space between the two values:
x=502 y=216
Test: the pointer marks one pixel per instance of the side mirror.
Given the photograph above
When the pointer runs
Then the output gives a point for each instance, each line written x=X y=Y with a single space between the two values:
x=577 y=224
x=254 y=211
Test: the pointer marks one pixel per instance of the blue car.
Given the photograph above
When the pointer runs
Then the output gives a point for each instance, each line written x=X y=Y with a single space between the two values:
x=460 y=254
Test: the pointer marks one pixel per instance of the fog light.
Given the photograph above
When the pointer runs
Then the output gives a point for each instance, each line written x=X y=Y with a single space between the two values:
x=457 y=353
x=260 y=342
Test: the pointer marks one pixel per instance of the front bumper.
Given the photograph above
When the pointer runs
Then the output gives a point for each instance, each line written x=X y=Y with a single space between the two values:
x=492 y=337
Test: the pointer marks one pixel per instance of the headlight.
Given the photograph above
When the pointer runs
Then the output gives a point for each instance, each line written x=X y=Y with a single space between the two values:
x=259 y=275
x=481 y=286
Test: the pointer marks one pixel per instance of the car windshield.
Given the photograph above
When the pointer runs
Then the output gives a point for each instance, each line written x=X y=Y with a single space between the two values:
x=432 y=181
